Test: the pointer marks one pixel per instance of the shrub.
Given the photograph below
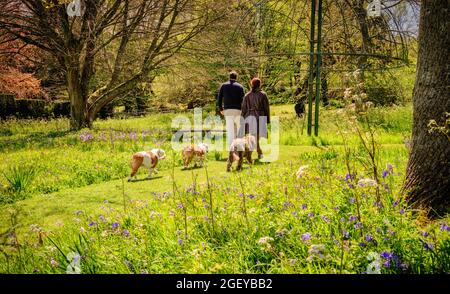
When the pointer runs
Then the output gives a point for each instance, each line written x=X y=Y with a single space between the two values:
x=384 y=90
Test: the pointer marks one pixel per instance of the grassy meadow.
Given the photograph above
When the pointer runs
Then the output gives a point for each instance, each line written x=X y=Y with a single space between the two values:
x=329 y=204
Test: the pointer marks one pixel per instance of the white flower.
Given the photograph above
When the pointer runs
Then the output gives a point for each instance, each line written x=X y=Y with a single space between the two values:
x=367 y=182
x=265 y=240
x=301 y=171
x=54 y=263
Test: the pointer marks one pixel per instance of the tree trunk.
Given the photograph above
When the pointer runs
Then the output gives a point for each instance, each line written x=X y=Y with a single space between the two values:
x=77 y=101
x=428 y=172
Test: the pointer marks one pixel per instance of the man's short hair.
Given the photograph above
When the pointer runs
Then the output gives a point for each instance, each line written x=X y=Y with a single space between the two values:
x=233 y=75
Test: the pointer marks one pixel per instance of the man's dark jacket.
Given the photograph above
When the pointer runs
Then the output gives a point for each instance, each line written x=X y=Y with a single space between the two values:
x=230 y=95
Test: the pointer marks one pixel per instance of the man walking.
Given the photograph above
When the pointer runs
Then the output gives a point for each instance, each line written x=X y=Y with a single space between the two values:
x=229 y=102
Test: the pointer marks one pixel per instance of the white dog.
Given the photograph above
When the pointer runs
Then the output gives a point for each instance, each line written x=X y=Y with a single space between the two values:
x=148 y=159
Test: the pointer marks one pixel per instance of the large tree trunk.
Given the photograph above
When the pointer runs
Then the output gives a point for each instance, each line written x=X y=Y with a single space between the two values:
x=77 y=101
x=428 y=171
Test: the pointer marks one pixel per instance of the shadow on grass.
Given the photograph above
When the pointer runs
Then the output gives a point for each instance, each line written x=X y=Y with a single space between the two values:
x=145 y=179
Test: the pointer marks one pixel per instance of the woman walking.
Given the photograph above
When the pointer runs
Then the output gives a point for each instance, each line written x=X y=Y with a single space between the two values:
x=256 y=112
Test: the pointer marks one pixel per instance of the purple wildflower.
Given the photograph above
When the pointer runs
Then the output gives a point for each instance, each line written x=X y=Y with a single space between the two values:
x=342 y=219
x=351 y=200
x=387 y=264
x=180 y=206
x=306 y=237
x=287 y=204
x=345 y=234
x=350 y=185
x=325 y=219
x=427 y=246
x=86 y=137
x=251 y=196
x=114 y=226
x=304 y=206
x=385 y=173
x=126 y=233
x=369 y=238
x=402 y=211
x=378 y=204
x=295 y=213
x=102 y=218
x=348 y=177
x=425 y=234
x=91 y=224
x=352 y=219
x=180 y=241
x=445 y=227
x=132 y=136
x=310 y=214
x=358 y=225
x=362 y=244
x=395 y=203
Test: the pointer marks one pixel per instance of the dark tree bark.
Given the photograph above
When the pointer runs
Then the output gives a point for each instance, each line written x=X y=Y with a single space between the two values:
x=428 y=172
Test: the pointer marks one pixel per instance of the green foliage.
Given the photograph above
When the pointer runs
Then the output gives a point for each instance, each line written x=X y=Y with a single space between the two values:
x=384 y=89
x=302 y=214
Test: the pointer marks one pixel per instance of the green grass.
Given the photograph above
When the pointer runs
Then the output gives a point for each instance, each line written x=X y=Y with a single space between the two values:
x=265 y=219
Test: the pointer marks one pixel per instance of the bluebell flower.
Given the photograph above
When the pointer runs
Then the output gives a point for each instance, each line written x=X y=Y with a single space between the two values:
x=362 y=244
x=126 y=233
x=351 y=200
x=348 y=177
x=91 y=224
x=306 y=236
x=310 y=214
x=325 y=219
x=295 y=213
x=342 y=219
x=304 y=206
x=102 y=218
x=358 y=225
x=114 y=225
x=385 y=173
x=395 y=203
x=180 y=241
x=369 y=238
x=445 y=227
x=387 y=264
x=425 y=234
x=386 y=255
x=251 y=196
x=345 y=234
x=402 y=211
x=352 y=218
x=427 y=246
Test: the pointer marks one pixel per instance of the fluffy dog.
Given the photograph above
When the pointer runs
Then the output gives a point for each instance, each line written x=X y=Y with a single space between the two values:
x=148 y=159
x=240 y=148
x=197 y=153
